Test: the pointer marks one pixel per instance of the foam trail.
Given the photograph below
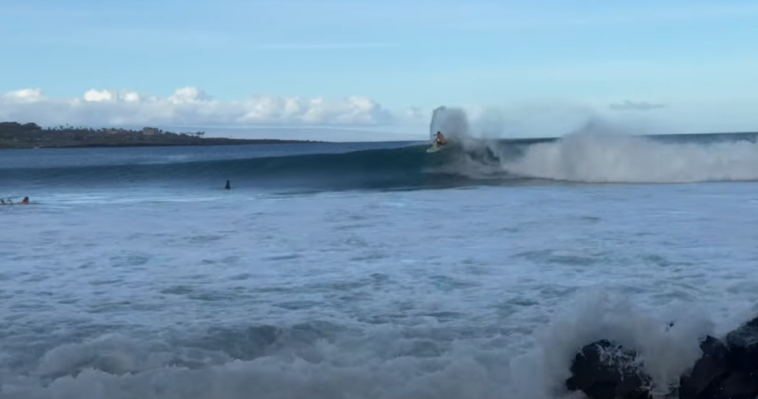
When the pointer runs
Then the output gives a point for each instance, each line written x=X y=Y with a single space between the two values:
x=469 y=163
x=606 y=158
x=453 y=122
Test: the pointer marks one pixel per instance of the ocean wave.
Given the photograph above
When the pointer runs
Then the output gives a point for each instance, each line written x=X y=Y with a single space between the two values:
x=576 y=158
x=408 y=166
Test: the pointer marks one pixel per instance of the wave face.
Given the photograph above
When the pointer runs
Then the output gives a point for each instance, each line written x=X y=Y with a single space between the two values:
x=577 y=158
x=395 y=167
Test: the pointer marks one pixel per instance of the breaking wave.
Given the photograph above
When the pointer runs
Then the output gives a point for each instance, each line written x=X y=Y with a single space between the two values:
x=598 y=158
x=576 y=158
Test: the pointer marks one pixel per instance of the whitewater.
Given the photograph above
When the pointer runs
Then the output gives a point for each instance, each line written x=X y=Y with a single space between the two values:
x=368 y=270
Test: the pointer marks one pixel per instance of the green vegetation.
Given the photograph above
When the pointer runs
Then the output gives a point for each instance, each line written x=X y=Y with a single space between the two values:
x=31 y=135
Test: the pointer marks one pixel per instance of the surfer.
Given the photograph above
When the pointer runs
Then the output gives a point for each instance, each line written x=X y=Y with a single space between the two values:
x=440 y=139
x=8 y=201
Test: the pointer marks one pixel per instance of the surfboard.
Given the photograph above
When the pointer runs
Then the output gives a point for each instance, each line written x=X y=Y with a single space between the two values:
x=435 y=148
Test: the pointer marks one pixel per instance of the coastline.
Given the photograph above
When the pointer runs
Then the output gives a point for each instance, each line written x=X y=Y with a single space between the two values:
x=17 y=136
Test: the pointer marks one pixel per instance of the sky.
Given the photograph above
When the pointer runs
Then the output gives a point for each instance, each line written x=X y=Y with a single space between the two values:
x=378 y=68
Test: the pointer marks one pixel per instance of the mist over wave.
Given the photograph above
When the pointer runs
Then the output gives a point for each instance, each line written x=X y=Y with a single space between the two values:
x=603 y=158
x=600 y=152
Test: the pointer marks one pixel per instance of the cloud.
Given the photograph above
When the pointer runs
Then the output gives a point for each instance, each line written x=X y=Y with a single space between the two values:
x=635 y=106
x=193 y=107
x=190 y=106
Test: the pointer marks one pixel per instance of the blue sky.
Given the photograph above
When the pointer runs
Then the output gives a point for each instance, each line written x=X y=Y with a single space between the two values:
x=695 y=55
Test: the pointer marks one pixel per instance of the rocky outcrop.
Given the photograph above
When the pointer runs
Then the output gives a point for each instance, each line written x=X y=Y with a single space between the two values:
x=604 y=369
x=726 y=370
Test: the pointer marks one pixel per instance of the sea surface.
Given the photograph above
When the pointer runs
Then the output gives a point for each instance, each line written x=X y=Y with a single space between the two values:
x=368 y=270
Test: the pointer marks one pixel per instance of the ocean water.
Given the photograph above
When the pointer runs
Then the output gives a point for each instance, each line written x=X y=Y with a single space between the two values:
x=368 y=270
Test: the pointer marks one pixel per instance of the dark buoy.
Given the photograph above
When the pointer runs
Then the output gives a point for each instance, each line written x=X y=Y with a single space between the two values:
x=228 y=185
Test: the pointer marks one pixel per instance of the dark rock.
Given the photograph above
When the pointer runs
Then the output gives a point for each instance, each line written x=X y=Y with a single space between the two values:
x=743 y=344
x=708 y=372
x=726 y=370
x=738 y=385
x=604 y=370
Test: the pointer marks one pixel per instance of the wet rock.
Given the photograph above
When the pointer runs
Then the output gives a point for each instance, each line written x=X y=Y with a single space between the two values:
x=727 y=370
x=708 y=373
x=738 y=385
x=743 y=344
x=605 y=370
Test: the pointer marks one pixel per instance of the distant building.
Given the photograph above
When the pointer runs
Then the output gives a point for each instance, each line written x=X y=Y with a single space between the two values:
x=149 y=131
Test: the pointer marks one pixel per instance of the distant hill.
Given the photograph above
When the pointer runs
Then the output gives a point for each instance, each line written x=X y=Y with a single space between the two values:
x=31 y=135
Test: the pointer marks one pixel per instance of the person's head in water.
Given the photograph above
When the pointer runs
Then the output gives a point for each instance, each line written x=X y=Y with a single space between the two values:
x=25 y=200
x=228 y=185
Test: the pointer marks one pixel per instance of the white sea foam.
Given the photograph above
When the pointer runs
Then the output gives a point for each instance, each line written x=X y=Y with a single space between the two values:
x=612 y=158
x=480 y=293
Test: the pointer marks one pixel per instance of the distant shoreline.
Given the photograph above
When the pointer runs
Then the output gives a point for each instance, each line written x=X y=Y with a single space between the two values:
x=14 y=135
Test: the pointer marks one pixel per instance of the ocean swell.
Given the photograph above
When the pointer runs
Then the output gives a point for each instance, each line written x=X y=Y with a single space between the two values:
x=576 y=158
x=405 y=167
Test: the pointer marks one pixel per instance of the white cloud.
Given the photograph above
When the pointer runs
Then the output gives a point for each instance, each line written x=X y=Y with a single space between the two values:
x=190 y=106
